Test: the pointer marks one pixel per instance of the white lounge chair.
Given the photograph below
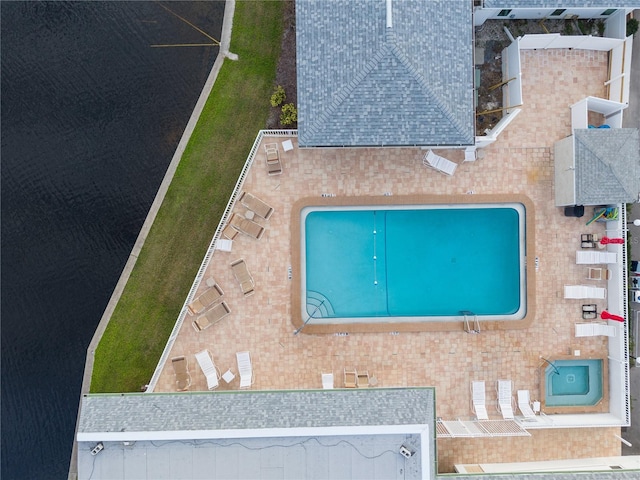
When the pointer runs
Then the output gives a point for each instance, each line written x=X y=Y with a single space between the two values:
x=209 y=369
x=478 y=400
x=524 y=404
x=439 y=163
x=591 y=257
x=245 y=369
x=505 y=399
x=327 y=381
x=584 y=291
x=595 y=329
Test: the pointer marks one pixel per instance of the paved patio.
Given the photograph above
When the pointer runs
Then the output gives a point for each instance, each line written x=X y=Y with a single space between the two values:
x=520 y=162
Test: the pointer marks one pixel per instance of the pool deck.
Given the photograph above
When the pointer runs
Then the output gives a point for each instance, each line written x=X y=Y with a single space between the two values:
x=520 y=162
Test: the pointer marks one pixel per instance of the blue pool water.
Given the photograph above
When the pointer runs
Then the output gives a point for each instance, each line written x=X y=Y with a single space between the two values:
x=573 y=383
x=413 y=261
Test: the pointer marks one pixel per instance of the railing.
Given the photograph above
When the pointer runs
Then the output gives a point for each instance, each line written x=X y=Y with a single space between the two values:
x=479 y=428
x=211 y=250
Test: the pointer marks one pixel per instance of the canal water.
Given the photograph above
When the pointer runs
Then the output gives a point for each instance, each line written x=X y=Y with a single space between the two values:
x=91 y=115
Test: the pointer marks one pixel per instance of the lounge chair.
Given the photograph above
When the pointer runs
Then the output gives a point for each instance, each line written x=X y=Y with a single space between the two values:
x=205 y=300
x=209 y=369
x=224 y=245
x=589 y=311
x=524 y=404
x=478 y=400
x=598 y=273
x=584 y=291
x=363 y=379
x=505 y=399
x=327 y=381
x=439 y=163
x=181 y=370
x=244 y=278
x=256 y=205
x=213 y=316
x=350 y=378
x=229 y=232
x=588 y=257
x=274 y=166
x=595 y=329
x=246 y=226
x=245 y=369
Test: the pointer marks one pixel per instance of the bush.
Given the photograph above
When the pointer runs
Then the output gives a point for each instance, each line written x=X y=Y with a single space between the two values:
x=289 y=114
x=278 y=96
x=632 y=27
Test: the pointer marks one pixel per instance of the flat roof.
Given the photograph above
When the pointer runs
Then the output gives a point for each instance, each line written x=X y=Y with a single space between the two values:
x=267 y=434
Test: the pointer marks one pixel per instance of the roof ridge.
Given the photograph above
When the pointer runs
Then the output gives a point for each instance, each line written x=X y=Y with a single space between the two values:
x=419 y=78
x=605 y=165
x=342 y=95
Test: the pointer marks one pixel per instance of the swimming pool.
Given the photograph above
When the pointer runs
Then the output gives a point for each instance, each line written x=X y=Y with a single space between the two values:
x=373 y=263
x=573 y=384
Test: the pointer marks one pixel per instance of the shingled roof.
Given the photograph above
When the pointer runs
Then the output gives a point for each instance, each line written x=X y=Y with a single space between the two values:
x=362 y=83
x=607 y=163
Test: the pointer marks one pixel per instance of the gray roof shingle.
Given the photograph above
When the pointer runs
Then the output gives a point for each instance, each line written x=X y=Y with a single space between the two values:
x=360 y=83
x=256 y=410
x=607 y=162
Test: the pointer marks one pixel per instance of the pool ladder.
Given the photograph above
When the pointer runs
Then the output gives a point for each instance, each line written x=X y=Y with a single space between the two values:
x=476 y=323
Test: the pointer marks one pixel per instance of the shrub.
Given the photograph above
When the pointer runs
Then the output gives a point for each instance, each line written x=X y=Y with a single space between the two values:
x=289 y=114
x=278 y=96
x=632 y=27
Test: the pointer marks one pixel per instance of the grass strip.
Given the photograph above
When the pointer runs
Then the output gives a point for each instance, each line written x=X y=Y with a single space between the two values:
x=236 y=110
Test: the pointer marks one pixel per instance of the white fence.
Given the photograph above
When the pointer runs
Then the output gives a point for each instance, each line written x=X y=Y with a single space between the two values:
x=576 y=42
x=619 y=56
x=619 y=71
x=211 y=250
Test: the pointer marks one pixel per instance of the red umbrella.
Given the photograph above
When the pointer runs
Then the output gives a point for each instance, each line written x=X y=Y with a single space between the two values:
x=610 y=316
x=606 y=240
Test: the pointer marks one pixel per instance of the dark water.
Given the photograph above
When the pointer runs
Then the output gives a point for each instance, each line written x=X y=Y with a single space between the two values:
x=91 y=116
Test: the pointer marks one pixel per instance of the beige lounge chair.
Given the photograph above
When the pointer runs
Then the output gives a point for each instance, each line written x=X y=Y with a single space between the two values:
x=229 y=232
x=244 y=278
x=479 y=400
x=209 y=369
x=363 y=379
x=439 y=163
x=181 y=370
x=274 y=166
x=214 y=315
x=248 y=227
x=256 y=205
x=245 y=369
x=205 y=300
x=350 y=378
x=598 y=273
x=505 y=399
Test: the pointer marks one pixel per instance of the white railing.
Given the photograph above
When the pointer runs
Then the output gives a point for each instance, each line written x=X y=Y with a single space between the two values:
x=211 y=250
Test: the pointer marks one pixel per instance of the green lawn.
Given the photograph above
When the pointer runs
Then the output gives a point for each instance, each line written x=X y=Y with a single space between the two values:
x=234 y=113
